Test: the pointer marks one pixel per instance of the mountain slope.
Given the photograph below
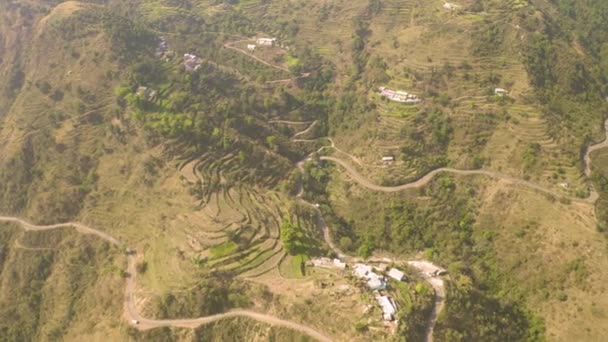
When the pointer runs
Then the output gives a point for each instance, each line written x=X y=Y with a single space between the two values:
x=199 y=170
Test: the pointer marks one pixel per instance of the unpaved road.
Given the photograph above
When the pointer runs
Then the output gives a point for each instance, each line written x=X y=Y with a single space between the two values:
x=232 y=47
x=429 y=176
x=438 y=305
x=130 y=303
x=310 y=123
x=593 y=148
x=79 y=228
x=304 y=75
x=306 y=130
x=287 y=122
x=427 y=268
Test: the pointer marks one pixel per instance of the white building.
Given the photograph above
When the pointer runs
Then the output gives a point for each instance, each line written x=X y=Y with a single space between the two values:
x=251 y=47
x=361 y=270
x=399 y=96
x=450 y=6
x=500 y=91
x=265 y=41
x=388 y=308
x=374 y=281
x=191 y=62
x=396 y=274
x=388 y=159
x=339 y=264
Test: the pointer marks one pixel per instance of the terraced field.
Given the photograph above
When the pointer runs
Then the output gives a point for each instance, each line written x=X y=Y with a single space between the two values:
x=525 y=129
x=246 y=218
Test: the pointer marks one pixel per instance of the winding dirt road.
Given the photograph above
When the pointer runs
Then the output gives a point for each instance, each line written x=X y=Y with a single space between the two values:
x=232 y=47
x=79 y=228
x=306 y=130
x=429 y=177
x=278 y=67
x=131 y=312
x=593 y=148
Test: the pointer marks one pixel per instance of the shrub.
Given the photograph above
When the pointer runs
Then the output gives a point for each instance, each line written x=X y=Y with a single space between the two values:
x=361 y=327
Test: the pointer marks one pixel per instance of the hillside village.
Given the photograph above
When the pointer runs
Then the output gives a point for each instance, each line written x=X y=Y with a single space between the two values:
x=382 y=280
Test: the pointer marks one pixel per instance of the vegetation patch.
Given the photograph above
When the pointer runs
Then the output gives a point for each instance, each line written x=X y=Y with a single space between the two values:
x=224 y=249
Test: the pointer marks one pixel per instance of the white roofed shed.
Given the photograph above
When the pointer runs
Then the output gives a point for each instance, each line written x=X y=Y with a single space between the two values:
x=396 y=274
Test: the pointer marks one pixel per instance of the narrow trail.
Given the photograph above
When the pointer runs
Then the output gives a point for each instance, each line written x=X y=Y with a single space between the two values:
x=232 y=47
x=304 y=75
x=278 y=67
x=39 y=129
x=130 y=303
x=306 y=130
x=20 y=246
x=287 y=122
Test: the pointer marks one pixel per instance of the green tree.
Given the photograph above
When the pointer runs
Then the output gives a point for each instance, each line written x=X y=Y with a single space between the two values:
x=367 y=248
x=289 y=236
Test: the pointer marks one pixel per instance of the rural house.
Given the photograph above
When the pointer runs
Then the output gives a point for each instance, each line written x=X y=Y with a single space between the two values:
x=500 y=91
x=374 y=281
x=388 y=307
x=450 y=6
x=399 y=96
x=192 y=62
x=396 y=274
x=265 y=41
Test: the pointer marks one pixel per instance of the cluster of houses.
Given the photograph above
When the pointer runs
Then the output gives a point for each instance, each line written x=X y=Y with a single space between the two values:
x=377 y=282
x=192 y=62
x=399 y=96
x=376 y=278
x=162 y=51
x=264 y=42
